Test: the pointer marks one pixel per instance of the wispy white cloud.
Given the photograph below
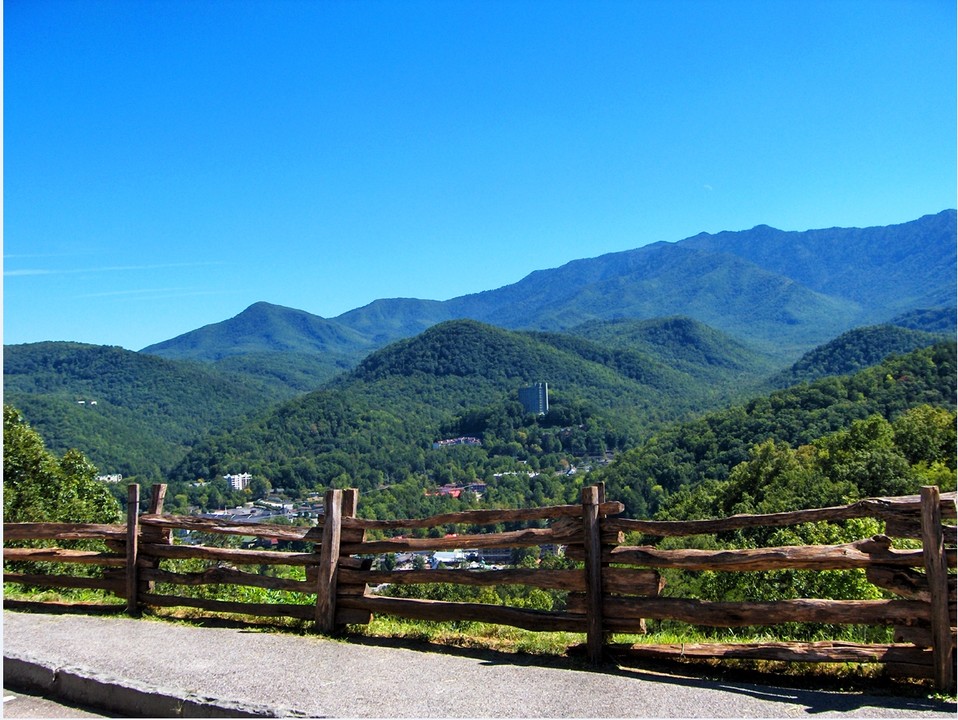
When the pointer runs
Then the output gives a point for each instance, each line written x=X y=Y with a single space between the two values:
x=154 y=293
x=105 y=269
x=21 y=256
x=24 y=273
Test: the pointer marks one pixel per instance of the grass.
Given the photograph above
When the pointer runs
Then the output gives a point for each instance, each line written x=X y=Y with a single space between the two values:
x=486 y=636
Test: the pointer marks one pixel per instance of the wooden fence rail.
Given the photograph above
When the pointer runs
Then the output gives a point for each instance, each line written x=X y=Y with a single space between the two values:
x=617 y=588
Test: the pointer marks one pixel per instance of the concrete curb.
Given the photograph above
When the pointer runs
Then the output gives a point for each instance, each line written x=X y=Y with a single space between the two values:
x=85 y=687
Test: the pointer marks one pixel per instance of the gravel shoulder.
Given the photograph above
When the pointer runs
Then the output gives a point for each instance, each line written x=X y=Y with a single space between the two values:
x=184 y=670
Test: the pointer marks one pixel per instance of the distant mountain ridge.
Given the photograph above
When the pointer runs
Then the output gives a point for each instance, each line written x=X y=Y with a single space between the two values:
x=783 y=292
x=917 y=259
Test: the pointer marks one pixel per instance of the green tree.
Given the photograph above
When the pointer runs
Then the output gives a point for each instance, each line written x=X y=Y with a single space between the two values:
x=259 y=487
x=866 y=456
x=926 y=434
x=38 y=486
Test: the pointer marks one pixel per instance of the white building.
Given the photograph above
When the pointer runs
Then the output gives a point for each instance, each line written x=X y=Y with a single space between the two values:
x=238 y=482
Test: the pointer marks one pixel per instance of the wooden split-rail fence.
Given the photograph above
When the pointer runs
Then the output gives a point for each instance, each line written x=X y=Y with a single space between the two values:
x=616 y=589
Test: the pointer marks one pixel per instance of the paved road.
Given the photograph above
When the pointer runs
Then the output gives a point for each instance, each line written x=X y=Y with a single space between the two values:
x=18 y=704
x=231 y=672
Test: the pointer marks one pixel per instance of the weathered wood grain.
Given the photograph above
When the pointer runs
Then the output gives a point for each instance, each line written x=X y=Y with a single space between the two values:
x=113 y=585
x=545 y=579
x=936 y=569
x=225 y=527
x=914 y=634
x=908 y=583
x=621 y=612
x=63 y=531
x=812 y=652
x=132 y=547
x=329 y=563
x=595 y=638
x=529 y=537
x=235 y=556
x=882 y=508
x=481 y=517
x=801 y=557
x=630 y=581
x=53 y=554
x=438 y=611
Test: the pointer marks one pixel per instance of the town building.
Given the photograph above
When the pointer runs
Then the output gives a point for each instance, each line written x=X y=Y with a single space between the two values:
x=238 y=482
x=456 y=441
x=535 y=398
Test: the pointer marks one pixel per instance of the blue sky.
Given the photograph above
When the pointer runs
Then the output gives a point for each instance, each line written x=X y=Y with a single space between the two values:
x=168 y=163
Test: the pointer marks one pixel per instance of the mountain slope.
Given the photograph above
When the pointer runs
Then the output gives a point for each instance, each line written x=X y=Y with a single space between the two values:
x=684 y=344
x=721 y=290
x=129 y=413
x=943 y=320
x=461 y=363
x=708 y=447
x=853 y=351
x=380 y=419
x=264 y=328
x=886 y=270
x=783 y=292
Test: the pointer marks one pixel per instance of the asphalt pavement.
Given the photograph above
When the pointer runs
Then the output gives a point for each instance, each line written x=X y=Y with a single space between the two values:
x=18 y=704
x=152 y=668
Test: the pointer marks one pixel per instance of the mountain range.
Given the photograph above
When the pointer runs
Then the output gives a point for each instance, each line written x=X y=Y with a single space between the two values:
x=629 y=342
x=777 y=292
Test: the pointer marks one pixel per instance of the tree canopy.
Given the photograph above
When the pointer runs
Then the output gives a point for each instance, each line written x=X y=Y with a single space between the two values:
x=38 y=486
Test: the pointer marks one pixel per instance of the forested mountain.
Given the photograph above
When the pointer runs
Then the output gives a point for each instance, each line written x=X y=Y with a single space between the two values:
x=885 y=270
x=943 y=320
x=264 y=328
x=374 y=427
x=149 y=411
x=684 y=344
x=612 y=384
x=855 y=350
x=290 y=350
x=285 y=374
x=130 y=413
x=721 y=290
x=379 y=421
x=779 y=292
x=707 y=448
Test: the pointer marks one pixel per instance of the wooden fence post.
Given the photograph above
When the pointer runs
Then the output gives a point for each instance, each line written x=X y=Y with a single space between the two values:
x=132 y=536
x=936 y=569
x=355 y=590
x=350 y=502
x=153 y=535
x=157 y=499
x=329 y=562
x=595 y=638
